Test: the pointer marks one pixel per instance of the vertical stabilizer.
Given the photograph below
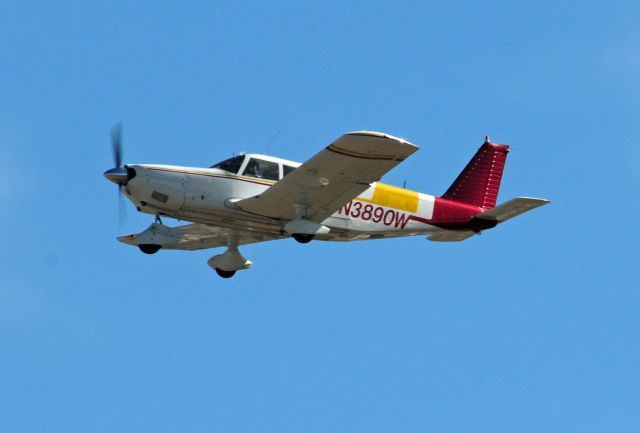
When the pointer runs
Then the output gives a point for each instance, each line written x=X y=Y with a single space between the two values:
x=479 y=182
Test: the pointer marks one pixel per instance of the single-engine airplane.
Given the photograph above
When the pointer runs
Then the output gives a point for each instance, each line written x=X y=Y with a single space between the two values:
x=334 y=196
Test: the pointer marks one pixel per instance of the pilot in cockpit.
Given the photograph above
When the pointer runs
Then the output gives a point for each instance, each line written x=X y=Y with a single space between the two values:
x=253 y=169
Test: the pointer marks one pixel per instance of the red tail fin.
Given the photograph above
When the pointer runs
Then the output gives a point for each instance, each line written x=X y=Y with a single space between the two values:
x=479 y=182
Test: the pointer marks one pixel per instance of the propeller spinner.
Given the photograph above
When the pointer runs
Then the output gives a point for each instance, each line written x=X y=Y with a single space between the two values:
x=118 y=174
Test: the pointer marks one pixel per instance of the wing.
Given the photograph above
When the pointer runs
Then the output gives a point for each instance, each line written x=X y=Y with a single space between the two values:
x=192 y=237
x=512 y=208
x=337 y=174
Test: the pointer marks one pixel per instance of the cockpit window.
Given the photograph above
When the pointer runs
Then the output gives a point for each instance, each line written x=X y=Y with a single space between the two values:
x=232 y=165
x=262 y=169
x=286 y=169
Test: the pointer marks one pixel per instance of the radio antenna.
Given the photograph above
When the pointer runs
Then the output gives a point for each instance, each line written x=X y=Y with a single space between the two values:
x=271 y=142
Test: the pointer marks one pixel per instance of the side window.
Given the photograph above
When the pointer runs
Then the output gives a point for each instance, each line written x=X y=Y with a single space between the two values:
x=262 y=169
x=286 y=169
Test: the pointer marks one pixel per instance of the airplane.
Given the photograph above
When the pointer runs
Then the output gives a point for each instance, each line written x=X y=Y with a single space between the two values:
x=334 y=196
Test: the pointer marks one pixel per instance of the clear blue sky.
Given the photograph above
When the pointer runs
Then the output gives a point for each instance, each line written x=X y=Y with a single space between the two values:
x=531 y=327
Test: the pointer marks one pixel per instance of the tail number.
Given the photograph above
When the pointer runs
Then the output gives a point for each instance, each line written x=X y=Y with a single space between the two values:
x=376 y=214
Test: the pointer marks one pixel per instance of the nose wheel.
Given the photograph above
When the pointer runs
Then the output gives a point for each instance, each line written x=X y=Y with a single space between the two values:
x=152 y=248
x=149 y=248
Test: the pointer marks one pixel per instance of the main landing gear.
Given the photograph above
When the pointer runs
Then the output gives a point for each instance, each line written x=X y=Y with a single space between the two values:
x=225 y=274
x=302 y=237
x=227 y=263
x=302 y=229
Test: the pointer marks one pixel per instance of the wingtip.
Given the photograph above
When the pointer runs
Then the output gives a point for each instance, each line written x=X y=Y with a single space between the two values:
x=381 y=135
x=127 y=239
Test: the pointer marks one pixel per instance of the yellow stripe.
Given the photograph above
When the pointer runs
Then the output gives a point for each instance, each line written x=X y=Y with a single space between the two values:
x=203 y=173
x=394 y=197
x=254 y=179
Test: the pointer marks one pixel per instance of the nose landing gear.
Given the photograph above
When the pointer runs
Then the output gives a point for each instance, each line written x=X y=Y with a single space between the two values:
x=149 y=248
x=153 y=233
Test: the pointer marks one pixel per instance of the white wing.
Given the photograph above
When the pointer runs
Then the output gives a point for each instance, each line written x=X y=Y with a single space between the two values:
x=331 y=178
x=193 y=237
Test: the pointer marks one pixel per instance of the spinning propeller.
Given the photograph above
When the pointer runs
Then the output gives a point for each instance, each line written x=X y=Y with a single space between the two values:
x=121 y=174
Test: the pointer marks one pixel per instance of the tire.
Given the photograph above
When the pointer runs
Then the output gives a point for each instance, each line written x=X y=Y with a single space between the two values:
x=303 y=238
x=225 y=274
x=149 y=248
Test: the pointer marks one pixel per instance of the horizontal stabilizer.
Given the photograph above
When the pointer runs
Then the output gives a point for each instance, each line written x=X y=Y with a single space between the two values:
x=497 y=215
x=450 y=235
x=512 y=208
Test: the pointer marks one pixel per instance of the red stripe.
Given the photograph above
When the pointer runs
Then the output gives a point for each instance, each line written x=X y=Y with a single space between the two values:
x=420 y=219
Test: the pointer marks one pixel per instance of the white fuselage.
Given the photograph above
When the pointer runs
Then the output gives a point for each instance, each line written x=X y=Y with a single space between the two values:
x=335 y=196
x=206 y=195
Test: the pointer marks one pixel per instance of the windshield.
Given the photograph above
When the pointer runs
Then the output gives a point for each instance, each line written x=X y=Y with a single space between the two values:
x=232 y=165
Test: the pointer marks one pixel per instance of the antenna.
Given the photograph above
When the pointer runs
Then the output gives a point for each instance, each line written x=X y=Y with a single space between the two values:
x=271 y=142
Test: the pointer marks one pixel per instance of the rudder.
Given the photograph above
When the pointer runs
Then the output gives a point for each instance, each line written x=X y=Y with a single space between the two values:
x=478 y=184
